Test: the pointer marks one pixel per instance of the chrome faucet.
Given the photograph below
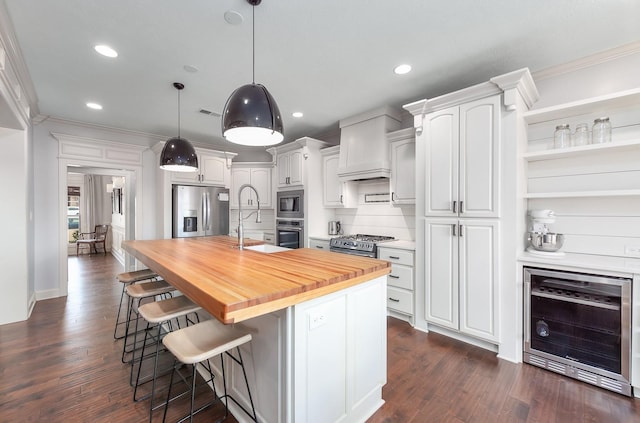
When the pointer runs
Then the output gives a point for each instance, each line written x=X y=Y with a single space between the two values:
x=240 y=218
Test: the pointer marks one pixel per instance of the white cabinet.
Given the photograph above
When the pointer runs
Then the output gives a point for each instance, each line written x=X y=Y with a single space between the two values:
x=290 y=168
x=319 y=243
x=462 y=275
x=462 y=159
x=259 y=176
x=269 y=238
x=403 y=166
x=400 y=282
x=213 y=169
x=335 y=193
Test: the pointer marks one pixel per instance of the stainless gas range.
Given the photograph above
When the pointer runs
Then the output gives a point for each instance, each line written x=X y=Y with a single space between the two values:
x=360 y=245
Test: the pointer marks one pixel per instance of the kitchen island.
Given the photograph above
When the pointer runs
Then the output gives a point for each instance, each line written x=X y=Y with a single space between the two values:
x=318 y=321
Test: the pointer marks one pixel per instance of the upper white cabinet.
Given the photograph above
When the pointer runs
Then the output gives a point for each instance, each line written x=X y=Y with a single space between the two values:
x=290 y=168
x=462 y=159
x=403 y=166
x=213 y=169
x=335 y=193
x=256 y=174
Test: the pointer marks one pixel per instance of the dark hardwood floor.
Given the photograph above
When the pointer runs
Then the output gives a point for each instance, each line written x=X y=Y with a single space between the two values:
x=62 y=365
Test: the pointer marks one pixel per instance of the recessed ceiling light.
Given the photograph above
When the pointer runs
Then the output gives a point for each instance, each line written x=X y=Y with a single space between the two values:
x=106 y=50
x=232 y=17
x=297 y=114
x=402 y=69
x=94 y=106
x=190 y=68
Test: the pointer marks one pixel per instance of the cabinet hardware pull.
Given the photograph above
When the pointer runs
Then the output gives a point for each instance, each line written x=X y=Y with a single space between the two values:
x=453 y=227
x=461 y=207
x=319 y=246
x=392 y=197
x=394 y=300
x=394 y=257
x=454 y=207
x=394 y=277
x=340 y=198
x=461 y=233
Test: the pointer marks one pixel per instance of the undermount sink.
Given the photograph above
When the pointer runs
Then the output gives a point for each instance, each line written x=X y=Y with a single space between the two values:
x=267 y=248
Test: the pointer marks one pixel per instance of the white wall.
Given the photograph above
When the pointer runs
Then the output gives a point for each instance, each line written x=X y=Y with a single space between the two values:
x=591 y=225
x=46 y=207
x=378 y=218
x=15 y=218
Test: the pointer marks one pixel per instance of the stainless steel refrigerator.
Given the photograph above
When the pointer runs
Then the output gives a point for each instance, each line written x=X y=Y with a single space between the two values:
x=200 y=211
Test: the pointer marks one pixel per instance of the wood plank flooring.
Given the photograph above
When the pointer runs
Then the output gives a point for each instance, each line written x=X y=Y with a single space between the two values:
x=62 y=365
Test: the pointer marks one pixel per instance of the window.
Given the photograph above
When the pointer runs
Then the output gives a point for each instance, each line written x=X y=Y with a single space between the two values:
x=73 y=213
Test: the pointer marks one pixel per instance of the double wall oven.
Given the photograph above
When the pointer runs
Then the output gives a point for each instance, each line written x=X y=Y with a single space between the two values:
x=579 y=325
x=290 y=219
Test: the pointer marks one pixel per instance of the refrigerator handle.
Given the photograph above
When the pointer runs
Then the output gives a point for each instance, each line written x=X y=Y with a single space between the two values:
x=206 y=210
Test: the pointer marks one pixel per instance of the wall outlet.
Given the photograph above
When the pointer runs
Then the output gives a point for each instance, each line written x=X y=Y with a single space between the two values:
x=316 y=319
x=632 y=250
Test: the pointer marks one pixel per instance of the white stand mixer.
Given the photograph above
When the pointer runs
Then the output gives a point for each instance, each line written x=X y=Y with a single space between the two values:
x=541 y=241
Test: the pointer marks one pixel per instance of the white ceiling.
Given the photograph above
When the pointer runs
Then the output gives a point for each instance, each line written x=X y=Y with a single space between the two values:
x=327 y=58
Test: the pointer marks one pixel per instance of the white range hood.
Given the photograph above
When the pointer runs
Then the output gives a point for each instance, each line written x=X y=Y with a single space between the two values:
x=364 y=149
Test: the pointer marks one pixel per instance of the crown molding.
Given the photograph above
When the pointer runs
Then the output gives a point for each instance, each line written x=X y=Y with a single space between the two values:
x=589 y=61
x=15 y=60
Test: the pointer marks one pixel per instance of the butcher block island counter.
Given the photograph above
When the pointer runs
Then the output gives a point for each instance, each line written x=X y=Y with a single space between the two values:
x=318 y=322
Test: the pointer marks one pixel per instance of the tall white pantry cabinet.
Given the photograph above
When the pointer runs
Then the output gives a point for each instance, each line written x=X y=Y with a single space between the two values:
x=469 y=210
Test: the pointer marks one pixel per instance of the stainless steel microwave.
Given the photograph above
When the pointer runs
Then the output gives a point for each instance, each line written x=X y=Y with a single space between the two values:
x=290 y=204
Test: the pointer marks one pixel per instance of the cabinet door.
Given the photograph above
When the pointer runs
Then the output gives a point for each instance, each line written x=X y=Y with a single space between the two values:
x=239 y=177
x=296 y=168
x=478 y=278
x=403 y=172
x=441 y=272
x=441 y=139
x=282 y=162
x=213 y=170
x=479 y=158
x=189 y=177
x=261 y=180
x=331 y=184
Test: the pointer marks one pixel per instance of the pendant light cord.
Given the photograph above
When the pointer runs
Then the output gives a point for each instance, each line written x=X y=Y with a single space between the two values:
x=253 y=41
x=178 y=113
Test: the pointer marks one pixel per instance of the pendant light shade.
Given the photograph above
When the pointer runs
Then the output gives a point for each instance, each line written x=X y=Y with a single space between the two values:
x=178 y=155
x=251 y=115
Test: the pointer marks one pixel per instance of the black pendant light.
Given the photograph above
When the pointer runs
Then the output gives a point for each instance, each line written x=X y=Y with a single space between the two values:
x=178 y=155
x=251 y=115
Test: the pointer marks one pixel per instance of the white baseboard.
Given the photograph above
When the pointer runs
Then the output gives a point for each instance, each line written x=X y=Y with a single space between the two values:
x=45 y=295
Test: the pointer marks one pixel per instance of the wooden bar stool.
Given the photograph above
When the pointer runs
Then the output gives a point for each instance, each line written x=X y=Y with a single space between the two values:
x=137 y=293
x=159 y=316
x=198 y=344
x=127 y=278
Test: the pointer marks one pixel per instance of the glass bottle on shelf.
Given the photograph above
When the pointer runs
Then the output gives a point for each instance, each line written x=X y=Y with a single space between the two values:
x=581 y=136
x=601 y=131
x=562 y=136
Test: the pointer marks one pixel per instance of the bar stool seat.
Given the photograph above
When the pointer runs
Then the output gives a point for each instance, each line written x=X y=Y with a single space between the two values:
x=201 y=342
x=127 y=278
x=136 y=293
x=160 y=314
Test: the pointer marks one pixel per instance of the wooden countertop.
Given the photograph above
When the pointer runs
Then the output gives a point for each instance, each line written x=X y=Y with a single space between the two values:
x=236 y=285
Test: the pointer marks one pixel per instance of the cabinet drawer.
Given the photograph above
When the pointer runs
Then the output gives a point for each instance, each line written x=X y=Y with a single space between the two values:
x=401 y=277
x=400 y=300
x=269 y=238
x=396 y=256
x=319 y=244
